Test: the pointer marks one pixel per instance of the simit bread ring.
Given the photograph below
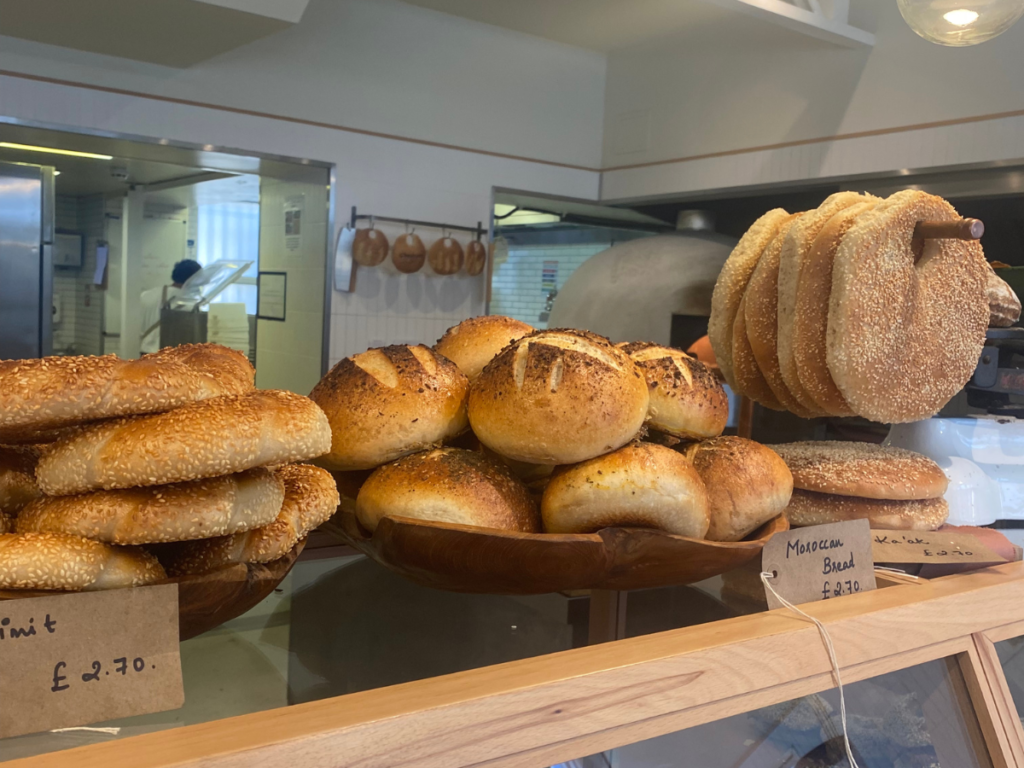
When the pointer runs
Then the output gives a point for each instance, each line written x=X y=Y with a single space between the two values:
x=62 y=562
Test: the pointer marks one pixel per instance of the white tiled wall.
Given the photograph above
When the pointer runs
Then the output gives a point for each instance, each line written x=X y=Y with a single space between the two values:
x=518 y=288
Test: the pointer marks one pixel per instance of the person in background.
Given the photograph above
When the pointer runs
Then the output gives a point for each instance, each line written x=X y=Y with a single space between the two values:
x=156 y=299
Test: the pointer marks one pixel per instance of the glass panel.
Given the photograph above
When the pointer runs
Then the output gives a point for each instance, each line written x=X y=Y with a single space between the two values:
x=1011 y=656
x=914 y=718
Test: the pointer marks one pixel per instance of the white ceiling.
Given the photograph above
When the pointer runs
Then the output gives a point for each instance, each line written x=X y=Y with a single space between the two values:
x=600 y=25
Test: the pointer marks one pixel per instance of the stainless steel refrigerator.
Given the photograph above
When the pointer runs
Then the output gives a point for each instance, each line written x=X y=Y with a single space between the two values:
x=26 y=260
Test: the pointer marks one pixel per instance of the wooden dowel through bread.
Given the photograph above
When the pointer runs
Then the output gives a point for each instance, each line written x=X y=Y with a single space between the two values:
x=964 y=229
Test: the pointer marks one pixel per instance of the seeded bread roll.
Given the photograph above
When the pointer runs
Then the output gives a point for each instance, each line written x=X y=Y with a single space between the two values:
x=57 y=561
x=390 y=402
x=862 y=469
x=310 y=498
x=810 y=508
x=748 y=484
x=640 y=486
x=50 y=393
x=473 y=343
x=197 y=509
x=448 y=485
x=1003 y=304
x=558 y=397
x=905 y=333
x=214 y=437
x=686 y=399
x=18 y=478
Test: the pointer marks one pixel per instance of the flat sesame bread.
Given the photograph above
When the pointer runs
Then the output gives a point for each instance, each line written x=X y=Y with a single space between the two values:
x=732 y=283
x=213 y=437
x=749 y=381
x=59 y=561
x=810 y=508
x=197 y=509
x=862 y=469
x=310 y=498
x=905 y=333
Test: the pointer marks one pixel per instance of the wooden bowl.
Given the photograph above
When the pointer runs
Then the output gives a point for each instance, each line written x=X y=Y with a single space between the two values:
x=461 y=558
x=208 y=600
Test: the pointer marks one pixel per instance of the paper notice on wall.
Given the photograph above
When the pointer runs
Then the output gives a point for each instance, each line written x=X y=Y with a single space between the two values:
x=229 y=325
x=271 y=295
x=344 y=265
x=294 y=207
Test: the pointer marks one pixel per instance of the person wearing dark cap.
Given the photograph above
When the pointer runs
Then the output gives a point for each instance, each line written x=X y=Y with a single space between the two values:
x=156 y=299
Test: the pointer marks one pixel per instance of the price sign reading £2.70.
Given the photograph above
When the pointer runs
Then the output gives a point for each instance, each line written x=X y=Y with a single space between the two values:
x=78 y=659
x=819 y=562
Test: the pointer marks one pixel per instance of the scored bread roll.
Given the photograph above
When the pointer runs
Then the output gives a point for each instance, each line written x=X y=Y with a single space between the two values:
x=686 y=399
x=732 y=284
x=18 y=477
x=473 y=343
x=197 y=509
x=205 y=439
x=748 y=484
x=905 y=333
x=57 y=561
x=50 y=393
x=389 y=402
x=558 y=397
x=1003 y=304
x=862 y=469
x=640 y=486
x=448 y=485
x=810 y=313
x=811 y=508
x=310 y=498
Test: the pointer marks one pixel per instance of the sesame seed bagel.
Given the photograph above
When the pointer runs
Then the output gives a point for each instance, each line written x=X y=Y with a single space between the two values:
x=732 y=283
x=54 y=392
x=197 y=509
x=310 y=498
x=214 y=437
x=905 y=334
x=862 y=469
x=389 y=402
x=18 y=477
x=558 y=397
x=686 y=398
x=640 y=486
x=448 y=485
x=748 y=484
x=58 y=561
x=810 y=508
x=473 y=343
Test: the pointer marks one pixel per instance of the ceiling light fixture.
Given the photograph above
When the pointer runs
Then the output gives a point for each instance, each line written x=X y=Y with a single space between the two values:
x=960 y=22
x=54 y=151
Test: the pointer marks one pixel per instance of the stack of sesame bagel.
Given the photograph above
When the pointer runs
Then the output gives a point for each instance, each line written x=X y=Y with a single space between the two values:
x=175 y=451
x=841 y=311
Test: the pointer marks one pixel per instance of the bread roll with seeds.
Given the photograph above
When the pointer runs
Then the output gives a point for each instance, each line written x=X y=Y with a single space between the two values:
x=732 y=284
x=57 y=561
x=640 y=486
x=18 y=478
x=1003 y=304
x=197 y=509
x=310 y=498
x=748 y=484
x=214 y=437
x=862 y=469
x=810 y=508
x=390 y=402
x=686 y=398
x=448 y=485
x=905 y=333
x=51 y=393
x=473 y=343
x=558 y=397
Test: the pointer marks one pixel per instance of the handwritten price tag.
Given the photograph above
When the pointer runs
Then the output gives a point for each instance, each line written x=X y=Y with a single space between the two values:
x=930 y=547
x=820 y=562
x=77 y=659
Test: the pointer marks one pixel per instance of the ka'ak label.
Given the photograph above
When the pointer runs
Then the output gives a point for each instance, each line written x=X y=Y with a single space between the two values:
x=930 y=547
x=819 y=562
x=82 y=658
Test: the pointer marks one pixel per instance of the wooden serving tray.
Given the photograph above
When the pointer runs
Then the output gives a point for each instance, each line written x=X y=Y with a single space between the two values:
x=208 y=600
x=462 y=558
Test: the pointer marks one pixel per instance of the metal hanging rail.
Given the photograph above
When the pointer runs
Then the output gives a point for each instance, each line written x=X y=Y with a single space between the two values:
x=478 y=230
